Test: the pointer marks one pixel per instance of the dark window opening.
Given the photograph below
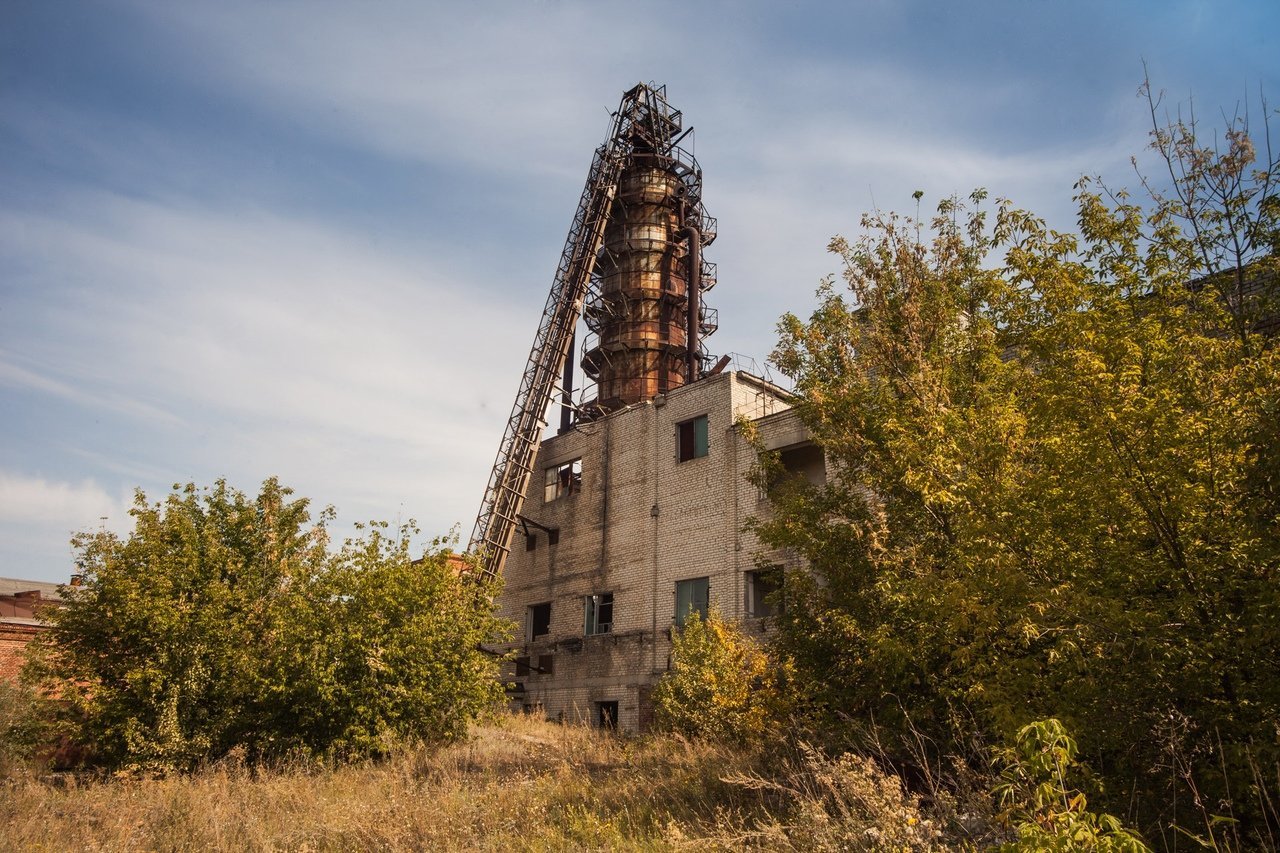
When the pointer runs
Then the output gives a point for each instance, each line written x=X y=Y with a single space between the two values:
x=553 y=536
x=691 y=439
x=547 y=664
x=522 y=667
x=607 y=715
x=530 y=541
x=599 y=614
x=692 y=596
x=539 y=620
x=805 y=462
x=561 y=480
x=763 y=592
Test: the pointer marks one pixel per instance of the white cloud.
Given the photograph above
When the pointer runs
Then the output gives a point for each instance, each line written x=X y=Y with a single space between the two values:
x=30 y=500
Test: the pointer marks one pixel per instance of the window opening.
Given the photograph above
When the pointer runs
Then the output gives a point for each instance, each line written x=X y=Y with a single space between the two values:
x=692 y=596
x=805 y=462
x=599 y=614
x=762 y=588
x=522 y=666
x=607 y=715
x=530 y=541
x=539 y=620
x=547 y=664
x=553 y=536
x=563 y=479
x=691 y=439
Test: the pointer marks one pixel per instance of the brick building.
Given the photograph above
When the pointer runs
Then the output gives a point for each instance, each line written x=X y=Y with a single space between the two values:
x=20 y=605
x=632 y=521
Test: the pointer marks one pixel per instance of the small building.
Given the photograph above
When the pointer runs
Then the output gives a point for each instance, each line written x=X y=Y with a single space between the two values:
x=21 y=602
x=631 y=522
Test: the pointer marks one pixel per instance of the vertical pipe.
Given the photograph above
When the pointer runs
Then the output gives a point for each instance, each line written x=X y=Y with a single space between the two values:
x=695 y=296
x=566 y=398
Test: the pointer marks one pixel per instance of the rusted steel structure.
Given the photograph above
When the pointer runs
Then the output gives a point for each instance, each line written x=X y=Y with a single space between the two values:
x=644 y=313
x=634 y=257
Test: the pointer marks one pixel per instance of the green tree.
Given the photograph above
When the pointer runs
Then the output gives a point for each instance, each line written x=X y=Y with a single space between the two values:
x=1056 y=490
x=224 y=621
x=721 y=685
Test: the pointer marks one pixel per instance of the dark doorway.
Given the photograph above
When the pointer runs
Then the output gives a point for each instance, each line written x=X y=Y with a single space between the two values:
x=607 y=715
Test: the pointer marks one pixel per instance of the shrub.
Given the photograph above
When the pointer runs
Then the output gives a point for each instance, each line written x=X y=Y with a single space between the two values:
x=226 y=623
x=721 y=685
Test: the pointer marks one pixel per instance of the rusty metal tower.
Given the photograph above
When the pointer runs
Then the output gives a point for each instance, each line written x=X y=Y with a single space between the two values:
x=634 y=257
x=645 y=317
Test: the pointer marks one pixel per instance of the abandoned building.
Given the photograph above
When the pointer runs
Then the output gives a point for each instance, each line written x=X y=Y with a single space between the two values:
x=611 y=532
x=637 y=520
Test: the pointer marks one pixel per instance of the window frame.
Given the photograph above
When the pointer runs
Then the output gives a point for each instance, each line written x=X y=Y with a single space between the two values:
x=679 y=618
x=592 y=606
x=531 y=622
x=754 y=599
x=693 y=439
x=561 y=480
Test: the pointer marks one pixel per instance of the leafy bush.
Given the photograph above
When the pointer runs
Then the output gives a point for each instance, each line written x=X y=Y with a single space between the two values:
x=24 y=727
x=223 y=622
x=1055 y=468
x=721 y=685
x=1039 y=803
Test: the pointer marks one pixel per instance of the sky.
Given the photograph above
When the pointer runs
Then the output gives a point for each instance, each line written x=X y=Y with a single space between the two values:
x=312 y=240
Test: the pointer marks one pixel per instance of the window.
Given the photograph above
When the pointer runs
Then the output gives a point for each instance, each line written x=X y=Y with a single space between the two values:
x=762 y=587
x=599 y=614
x=691 y=439
x=805 y=462
x=563 y=479
x=530 y=541
x=539 y=620
x=607 y=715
x=692 y=596
x=543 y=665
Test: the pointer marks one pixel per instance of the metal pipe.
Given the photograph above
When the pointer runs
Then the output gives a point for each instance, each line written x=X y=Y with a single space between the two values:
x=695 y=306
x=566 y=398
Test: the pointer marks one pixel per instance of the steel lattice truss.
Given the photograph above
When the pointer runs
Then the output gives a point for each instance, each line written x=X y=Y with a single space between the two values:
x=645 y=123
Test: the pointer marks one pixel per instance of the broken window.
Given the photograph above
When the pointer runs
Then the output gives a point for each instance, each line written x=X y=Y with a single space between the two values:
x=762 y=588
x=539 y=620
x=546 y=664
x=522 y=667
x=805 y=462
x=599 y=614
x=691 y=439
x=607 y=715
x=692 y=596
x=563 y=479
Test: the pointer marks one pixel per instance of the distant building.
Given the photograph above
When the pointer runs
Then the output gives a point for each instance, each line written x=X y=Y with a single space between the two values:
x=21 y=603
x=631 y=522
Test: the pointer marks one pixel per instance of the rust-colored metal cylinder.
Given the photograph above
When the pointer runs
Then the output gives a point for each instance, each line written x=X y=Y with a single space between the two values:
x=640 y=309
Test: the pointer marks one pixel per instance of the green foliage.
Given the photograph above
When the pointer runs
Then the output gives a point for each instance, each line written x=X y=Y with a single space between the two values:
x=1044 y=810
x=24 y=727
x=721 y=686
x=225 y=622
x=1056 y=490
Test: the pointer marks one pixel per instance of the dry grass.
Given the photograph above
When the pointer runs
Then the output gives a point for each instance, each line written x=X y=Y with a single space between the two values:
x=517 y=784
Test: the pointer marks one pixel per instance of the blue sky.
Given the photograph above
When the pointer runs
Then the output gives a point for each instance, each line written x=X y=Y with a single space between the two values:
x=313 y=239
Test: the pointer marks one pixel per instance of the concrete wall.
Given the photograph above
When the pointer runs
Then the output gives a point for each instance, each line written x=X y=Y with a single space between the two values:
x=641 y=521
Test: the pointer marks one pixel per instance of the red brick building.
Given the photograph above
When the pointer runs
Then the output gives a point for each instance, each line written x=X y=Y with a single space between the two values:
x=20 y=605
